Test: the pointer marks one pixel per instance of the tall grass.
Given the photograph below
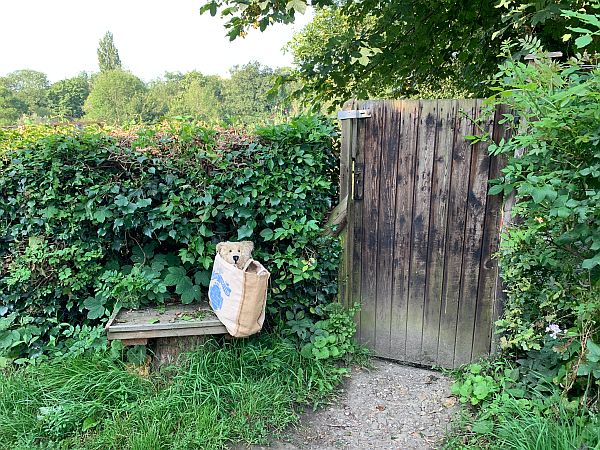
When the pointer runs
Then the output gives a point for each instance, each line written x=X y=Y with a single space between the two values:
x=520 y=428
x=517 y=425
x=240 y=391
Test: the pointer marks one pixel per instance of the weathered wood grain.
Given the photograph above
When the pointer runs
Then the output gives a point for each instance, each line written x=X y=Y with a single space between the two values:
x=457 y=210
x=421 y=230
x=359 y=139
x=391 y=113
x=405 y=176
x=488 y=268
x=345 y=193
x=420 y=235
x=472 y=252
x=437 y=229
x=372 y=151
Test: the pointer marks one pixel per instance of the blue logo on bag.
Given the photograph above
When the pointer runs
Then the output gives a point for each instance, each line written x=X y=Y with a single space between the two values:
x=217 y=283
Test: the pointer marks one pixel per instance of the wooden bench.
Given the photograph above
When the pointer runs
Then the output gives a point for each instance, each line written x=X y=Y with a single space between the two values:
x=173 y=329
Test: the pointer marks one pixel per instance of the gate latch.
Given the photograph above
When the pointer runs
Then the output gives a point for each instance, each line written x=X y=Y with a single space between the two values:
x=354 y=114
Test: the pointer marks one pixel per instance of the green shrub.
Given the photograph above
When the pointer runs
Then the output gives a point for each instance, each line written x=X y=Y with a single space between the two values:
x=550 y=256
x=542 y=391
x=95 y=219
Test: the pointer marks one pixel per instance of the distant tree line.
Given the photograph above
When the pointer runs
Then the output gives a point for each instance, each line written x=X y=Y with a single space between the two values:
x=115 y=95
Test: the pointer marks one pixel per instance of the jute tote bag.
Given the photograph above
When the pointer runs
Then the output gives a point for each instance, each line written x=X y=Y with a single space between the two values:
x=239 y=296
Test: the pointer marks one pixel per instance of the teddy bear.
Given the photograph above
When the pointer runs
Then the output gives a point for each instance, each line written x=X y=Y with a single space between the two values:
x=236 y=253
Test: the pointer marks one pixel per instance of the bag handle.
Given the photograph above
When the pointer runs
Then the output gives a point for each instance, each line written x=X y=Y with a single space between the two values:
x=250 y=261
x=260 y=272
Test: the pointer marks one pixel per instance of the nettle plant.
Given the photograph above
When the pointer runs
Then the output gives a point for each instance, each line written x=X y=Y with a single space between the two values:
x=550 y=256
x=93 y=219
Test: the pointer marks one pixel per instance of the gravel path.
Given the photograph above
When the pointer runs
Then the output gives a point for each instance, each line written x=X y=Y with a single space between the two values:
x=390 y=407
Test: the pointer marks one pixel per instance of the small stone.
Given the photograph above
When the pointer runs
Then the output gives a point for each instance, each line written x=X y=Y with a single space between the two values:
x=449 y=402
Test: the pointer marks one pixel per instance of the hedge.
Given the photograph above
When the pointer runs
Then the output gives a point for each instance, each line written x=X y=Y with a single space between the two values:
x=92 y=219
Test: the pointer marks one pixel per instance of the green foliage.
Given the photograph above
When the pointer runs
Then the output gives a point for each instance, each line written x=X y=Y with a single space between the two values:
x=11 y=108
x=550 y=258
x=248 y=98
x=376 y=48
x=589 y=29
x=126 y=219
x=520 y=395
x=239 y=391
x=330 y=338
x=246 y=95
x=525 y=425
x=117 y=97
x=29 y=88
x=200 y=96
x=108 y=55
x=66 y=97
x=474 y=387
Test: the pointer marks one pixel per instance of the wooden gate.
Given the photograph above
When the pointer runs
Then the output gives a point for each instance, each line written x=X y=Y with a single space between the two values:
x=421 y=230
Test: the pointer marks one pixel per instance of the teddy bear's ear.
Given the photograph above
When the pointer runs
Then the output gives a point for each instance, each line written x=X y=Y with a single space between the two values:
x=248 y=244
x=220 y=246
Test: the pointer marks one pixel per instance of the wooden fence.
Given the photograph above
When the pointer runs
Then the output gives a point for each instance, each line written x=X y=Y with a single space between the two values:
x=420 y=230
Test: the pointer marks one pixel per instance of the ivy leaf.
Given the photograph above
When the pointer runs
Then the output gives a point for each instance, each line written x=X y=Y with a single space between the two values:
x=95 y=307
x=190 y=293
x=121 y=201
x=8 y=338
x=267 y=234
x=183 y=285
x=143 y=202
x=583 y=41
x=593 y=351
x=136 y=355
x=102 y=214
x=590 y=263
x=539 y=194
x=296 y=5
x=202 y=278
x=176 y=276
x=244 y=231
x=495 y=190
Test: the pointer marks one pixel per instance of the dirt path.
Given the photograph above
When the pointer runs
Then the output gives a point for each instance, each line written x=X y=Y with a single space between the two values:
x=391 y=407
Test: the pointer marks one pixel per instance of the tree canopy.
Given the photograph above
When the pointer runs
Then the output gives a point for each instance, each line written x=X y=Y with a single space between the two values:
x=247 y=94
x=66 y=97
x=381 y=48
x=116 y=97
x=108 y=55
x=29 y=90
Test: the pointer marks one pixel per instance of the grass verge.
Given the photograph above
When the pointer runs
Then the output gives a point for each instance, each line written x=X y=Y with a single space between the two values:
x=239 y=391
x=517 y=425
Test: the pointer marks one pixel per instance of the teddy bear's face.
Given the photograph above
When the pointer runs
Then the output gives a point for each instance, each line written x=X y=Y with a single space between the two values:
x=237 y=253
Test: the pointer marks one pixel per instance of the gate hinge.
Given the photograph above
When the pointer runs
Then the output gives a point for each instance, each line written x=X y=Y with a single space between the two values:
x=354 y=114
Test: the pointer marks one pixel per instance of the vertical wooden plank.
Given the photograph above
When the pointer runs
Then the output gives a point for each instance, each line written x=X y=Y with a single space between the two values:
x=346 y=237
x=372 y=159
x=457 y=210
x=480 y=166
x=405 y=176
x=386 y=224
x=437 y=229
x=488 y=269
x=346 y=153
x=420 y=235
x=355 y=232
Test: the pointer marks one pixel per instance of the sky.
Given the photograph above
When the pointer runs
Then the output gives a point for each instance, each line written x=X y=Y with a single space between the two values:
x=60 y=37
